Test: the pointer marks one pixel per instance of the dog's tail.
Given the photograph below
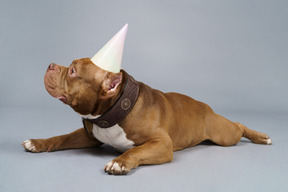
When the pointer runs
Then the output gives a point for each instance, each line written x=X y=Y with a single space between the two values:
x=254 y=136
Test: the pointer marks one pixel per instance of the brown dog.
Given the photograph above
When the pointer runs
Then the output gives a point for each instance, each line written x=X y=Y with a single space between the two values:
x=144 y=123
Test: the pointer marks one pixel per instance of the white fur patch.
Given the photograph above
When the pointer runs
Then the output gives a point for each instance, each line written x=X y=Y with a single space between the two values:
x=116 y=167
x=269 y=141
x=89 y=116
x=113 y=167
x=28 y=146
x=114 y=136
x=108 y=165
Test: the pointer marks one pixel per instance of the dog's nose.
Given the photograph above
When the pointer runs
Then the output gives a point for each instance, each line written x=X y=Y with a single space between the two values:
x=52 y=66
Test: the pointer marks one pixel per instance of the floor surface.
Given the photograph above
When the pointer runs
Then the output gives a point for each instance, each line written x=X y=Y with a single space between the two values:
x=206 y=167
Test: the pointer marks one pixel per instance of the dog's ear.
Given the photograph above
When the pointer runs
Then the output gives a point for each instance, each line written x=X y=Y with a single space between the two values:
x=110 y=84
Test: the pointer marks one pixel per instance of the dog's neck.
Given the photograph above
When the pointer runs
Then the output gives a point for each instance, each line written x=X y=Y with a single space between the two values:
x=122 y=106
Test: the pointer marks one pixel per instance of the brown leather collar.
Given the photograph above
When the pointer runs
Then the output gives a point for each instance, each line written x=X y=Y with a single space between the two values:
x=121 y=108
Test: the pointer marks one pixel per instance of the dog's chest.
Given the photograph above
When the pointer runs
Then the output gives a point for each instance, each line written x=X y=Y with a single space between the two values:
x=114 y=136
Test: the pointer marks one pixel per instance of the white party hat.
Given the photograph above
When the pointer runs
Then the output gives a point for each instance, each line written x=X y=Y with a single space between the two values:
x=109 y=57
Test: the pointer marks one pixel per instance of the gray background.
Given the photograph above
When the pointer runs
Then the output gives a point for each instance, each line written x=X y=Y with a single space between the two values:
x=229 y=54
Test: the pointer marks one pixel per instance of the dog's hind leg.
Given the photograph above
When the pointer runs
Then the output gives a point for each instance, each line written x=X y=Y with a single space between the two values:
x=226 y=133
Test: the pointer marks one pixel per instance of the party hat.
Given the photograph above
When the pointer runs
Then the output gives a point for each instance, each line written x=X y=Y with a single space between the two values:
x=110 y=56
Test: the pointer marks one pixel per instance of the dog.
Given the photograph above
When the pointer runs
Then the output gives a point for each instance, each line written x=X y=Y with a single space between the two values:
x=145 y=124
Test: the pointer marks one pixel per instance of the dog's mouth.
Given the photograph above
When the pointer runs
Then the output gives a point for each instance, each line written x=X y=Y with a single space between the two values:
x=50 y=85
x=62 y=98
x=54 y=94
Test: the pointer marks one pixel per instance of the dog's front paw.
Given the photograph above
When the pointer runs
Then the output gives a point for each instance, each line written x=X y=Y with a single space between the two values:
x=28 y=146
x=116 y=167
x=35 y=145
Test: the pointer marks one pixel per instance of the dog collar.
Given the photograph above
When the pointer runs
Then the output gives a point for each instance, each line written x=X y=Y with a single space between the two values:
x=121 y=108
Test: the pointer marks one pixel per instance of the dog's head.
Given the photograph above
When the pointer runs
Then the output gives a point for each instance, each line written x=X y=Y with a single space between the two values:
x=83 y=85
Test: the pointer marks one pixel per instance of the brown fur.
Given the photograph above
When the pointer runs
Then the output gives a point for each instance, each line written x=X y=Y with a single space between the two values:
x=159 y=123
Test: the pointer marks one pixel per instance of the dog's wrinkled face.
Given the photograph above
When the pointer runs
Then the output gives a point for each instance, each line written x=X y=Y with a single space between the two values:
x=81 y=85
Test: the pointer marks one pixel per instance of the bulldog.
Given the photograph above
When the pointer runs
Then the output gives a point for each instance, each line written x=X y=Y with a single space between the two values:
x=145 y=124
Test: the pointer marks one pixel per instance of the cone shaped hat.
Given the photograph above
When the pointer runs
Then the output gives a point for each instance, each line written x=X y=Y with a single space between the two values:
x=109 y=57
